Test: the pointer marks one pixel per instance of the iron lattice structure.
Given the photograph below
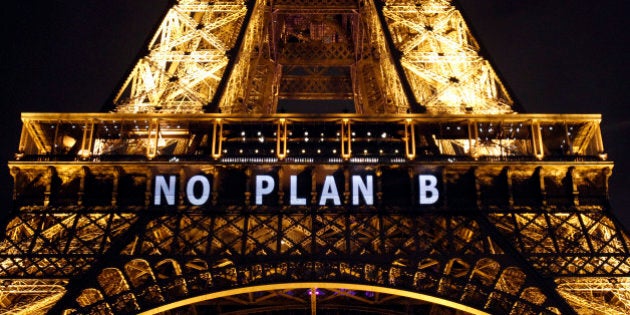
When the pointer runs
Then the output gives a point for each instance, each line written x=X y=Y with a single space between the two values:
x=522 y=224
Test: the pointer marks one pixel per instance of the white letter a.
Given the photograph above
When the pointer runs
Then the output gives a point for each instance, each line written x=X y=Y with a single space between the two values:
x=329 y=191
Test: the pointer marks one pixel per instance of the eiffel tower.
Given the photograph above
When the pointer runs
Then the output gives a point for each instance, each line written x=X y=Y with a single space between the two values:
x=322 y=156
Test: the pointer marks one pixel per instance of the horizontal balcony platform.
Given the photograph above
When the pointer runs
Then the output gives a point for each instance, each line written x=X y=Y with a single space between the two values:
x=310 y=138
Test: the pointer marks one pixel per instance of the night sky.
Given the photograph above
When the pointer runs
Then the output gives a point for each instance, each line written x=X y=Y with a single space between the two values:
x=555 y=57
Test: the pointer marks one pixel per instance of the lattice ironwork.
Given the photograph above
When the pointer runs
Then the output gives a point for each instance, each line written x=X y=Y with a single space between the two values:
x=453 y=251
x=441 y=59
x=186 y=60
x=179 y=255
x=195 y=195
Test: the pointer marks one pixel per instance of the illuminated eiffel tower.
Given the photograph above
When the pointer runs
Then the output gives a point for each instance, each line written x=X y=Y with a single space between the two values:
x=322 y=156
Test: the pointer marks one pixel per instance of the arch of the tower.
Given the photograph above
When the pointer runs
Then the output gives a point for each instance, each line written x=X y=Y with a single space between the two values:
x=454 y=286
x=319 y=298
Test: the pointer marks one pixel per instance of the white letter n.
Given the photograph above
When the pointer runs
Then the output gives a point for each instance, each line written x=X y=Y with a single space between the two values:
x=161 y=187
x=367 y=190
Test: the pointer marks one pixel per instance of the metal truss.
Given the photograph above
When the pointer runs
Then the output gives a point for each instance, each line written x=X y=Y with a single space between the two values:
x=597 y=295
x=181 y=255
x=30 y=296
x=441 y=59
x=492 y=248
x=578 y=234
x=396 y=57
x=381 y=87
x=186 y=61
x=524 y=226
x=548 y=209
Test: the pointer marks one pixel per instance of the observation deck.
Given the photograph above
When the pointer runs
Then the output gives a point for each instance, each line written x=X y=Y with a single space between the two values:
x=293 y=138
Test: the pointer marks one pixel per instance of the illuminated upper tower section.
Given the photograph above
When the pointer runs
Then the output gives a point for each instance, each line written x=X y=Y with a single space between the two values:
x=441 y=59
x=372 y=57
x=186 y=59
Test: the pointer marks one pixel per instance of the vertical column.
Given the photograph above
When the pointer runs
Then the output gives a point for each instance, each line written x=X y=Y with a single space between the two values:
x=153 y=137
x=510 y=192
x=115 y=185
x=23 y=138
x=575 y=193
x=410 y=139
x=477 y=186
x=379 y=186
x=182 y=186
x=217 y=138
x=314 y=172
x=346 y=139
x=281 y=139
x=53 y=149
x=607 y=173
x=16 y=172
x=599 y=143
x=537 y=142
x=473 y=135
x=567 y=139
x=82 y=177
x=443 y=174
x=148 y=192
x=248 y=185
x=88 y=136
x=540 y=176
x=346 y=185
x=280 y=186
x=51 y=173
x=313 y=292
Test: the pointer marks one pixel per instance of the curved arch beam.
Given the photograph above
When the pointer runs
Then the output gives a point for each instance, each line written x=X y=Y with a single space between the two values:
x=322 y=285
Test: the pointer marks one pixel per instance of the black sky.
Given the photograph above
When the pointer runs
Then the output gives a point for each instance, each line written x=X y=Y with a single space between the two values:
x=556 y=57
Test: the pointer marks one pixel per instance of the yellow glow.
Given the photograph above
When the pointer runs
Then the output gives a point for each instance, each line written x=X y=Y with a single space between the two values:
x=308 y=285
x=69 y=142
x=84 y=153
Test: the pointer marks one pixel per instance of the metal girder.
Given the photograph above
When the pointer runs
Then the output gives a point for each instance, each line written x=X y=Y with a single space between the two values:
x=409 y=137
x=186 y=60
x=441 y=59
x=597 y=295
x=66 y=240
x=178 y=255
x=523 y=227
x=404 y=57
